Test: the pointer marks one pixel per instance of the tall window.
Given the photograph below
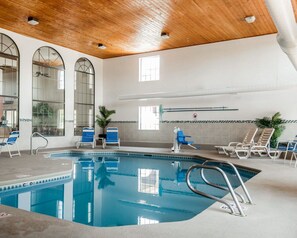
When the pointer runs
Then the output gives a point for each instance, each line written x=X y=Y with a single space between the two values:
x=9 y=82
x=84 y=91
x=149 y=68
x=48 y=92
x=148 y=118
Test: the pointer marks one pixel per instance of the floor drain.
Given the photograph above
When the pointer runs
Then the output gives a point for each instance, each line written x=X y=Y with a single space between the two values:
x=4 y=215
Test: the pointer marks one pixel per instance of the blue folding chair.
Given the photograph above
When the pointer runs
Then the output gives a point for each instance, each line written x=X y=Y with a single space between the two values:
x=287 y=146
x=112 y=137
x=10 y=142
x=88 y=137
x=181 y=140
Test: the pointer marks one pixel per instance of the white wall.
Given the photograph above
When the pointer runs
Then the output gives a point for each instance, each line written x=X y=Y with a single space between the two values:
x=246 y=63
x=27 y=47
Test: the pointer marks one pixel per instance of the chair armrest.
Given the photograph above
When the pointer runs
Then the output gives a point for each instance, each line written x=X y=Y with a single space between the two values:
x=259 y=147
x=242 y=145
x=187 y=136
x=234 y=143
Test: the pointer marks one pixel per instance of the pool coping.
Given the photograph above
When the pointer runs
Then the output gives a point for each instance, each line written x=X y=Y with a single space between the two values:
x=127 y=152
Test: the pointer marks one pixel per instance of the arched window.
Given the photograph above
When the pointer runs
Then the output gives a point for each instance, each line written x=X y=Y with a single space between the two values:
x=9 y=82
x=48 y=92
x=84 y=91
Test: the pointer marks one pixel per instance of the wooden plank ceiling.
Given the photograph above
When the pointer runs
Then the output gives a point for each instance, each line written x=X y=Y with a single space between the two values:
x=134 y=26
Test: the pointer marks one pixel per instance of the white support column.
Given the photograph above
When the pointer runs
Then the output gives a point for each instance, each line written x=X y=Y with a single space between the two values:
x=68 y=200
x=24 y=201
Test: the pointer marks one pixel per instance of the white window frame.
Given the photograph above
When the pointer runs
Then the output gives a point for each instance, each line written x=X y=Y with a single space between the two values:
x=148 y=118
x=74 y=118
x=149 y=68
x=91 y=118
x=60 y=119
x=61 y=75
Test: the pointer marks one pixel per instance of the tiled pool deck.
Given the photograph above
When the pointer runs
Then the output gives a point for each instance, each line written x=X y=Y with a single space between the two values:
x=274 y=191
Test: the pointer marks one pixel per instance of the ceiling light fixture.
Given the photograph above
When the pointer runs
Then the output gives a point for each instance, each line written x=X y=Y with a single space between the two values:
x=250 y=19
x=33 y=21
x=165 y=35
x=101 y=46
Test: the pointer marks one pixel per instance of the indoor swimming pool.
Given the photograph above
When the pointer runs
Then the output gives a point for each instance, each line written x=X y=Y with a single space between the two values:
x=117 y=189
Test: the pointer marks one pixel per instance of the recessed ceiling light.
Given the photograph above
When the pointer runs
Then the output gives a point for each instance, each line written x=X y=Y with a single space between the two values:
x=33 y=21
x=101 y=46
x=165 y=35
x=250 y=19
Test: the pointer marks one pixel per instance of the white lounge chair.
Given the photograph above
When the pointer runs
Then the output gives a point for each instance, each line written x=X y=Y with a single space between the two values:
x=294 y=155
x=230 y=148
x=260 y=148
x=88 y=137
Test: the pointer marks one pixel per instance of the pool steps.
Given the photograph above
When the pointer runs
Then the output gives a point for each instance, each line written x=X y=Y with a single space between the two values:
x=228 y=186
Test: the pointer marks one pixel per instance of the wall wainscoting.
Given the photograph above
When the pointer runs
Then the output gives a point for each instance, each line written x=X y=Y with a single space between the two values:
x=212 y=132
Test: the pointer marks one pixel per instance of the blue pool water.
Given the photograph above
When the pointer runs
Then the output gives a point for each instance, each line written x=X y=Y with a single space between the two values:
x=117 y=189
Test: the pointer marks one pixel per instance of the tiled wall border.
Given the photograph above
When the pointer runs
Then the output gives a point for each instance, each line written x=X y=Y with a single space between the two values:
x=206 y=121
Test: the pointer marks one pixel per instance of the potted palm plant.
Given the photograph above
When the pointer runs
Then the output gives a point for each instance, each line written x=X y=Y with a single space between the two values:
x=275 y=122
x=103 y=119
x=3 y=120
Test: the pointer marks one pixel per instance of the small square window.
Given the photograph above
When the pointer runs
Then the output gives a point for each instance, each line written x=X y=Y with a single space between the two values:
x=148 y=181
x=149 y=68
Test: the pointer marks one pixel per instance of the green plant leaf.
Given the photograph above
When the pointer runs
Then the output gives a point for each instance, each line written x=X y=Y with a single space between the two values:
x=103 y=119
x=274 y=122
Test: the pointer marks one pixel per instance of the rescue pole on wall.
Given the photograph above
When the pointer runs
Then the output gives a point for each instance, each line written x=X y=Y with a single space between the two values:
x=162 y=109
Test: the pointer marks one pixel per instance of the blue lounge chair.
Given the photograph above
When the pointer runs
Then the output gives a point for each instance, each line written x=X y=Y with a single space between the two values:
x=112 y=137
x=86 y=164
x=181 y=140
x=88 y=137
x=111 y=164
x=11 y=141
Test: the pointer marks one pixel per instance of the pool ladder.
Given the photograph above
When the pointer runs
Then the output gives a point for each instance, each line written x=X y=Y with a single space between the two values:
x=229 y=188
x=40 y=147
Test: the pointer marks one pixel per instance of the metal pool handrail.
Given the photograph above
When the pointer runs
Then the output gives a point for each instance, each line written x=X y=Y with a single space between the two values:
x=231 y=190
x=224 y=188
x=40 y=147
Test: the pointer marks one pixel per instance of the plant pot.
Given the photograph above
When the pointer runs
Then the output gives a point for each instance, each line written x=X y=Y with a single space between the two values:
x=102 y=136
